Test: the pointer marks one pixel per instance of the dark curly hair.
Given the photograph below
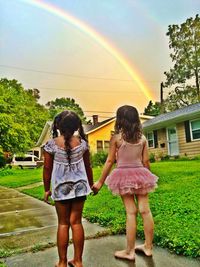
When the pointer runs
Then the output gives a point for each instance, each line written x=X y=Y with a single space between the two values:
x=67 y=122
x=128 y=124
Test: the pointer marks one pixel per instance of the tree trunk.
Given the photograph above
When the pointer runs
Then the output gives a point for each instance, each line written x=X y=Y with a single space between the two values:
x=197 y=84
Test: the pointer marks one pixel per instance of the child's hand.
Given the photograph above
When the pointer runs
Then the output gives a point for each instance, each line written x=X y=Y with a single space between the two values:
x=96 y=187
x=47 y=194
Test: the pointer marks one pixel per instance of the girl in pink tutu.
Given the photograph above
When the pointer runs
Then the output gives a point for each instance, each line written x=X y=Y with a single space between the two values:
x=131 y=179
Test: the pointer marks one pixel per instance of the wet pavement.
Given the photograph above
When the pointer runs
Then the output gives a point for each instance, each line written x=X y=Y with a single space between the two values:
x=99 y=253
x=26 y=222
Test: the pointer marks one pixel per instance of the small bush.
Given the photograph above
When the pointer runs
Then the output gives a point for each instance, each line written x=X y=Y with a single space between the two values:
x=165 y=157
x=99 y=158
x=196 y=157
x=152 y=157
x=2 y=160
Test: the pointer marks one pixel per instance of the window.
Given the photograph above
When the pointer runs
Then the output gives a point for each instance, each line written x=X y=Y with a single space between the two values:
x=36 y=153
x=28 y=159
x=106 y=145
x=195 y=129
x=99 y=145
x=23 y=158
x=19 y=158
x=150 y=138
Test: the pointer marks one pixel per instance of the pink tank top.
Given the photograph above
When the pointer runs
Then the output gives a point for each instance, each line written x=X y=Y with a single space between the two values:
x=130 y=155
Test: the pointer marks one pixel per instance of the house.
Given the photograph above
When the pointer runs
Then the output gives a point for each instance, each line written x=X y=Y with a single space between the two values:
x=44 y=137
x=98 y=134
x=175 y=133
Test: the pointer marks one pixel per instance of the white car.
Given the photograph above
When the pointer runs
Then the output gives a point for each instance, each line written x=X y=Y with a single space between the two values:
x=27 y=161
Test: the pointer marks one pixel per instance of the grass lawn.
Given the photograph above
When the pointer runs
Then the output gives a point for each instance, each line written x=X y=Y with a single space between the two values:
x=175 y=205
x=16 y=177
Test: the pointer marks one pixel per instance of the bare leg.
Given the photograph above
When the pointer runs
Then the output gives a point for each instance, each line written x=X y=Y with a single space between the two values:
x=77 y=232
x=144 y=209
x=63 y=212
x=131 y=212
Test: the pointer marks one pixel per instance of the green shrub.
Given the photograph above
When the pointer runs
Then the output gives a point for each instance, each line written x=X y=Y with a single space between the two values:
x=2 y=160
x=196 y=157
x=165 y=157
x=99 y=158
x=6 y=171
x=152 y=157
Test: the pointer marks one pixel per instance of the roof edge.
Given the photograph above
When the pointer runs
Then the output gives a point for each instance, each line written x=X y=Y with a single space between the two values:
x=102 y=125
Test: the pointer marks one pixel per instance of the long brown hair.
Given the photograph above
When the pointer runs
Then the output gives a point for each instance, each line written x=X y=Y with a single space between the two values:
x=128 y=124
x=67 y=122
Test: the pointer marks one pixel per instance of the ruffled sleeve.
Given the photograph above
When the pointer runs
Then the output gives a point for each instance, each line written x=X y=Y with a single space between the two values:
x=84 y=145
x=49 y=147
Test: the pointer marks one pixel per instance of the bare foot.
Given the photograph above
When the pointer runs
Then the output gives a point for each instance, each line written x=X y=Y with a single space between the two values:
x=61 y=264
x=73 y=263
x=144 y=249
x=123 y=254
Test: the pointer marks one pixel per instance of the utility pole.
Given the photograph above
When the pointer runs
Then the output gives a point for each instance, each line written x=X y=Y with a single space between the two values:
x=161 y=92
x=161 y=98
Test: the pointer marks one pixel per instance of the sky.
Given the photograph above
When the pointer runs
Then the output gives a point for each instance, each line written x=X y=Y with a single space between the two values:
x=107 y=53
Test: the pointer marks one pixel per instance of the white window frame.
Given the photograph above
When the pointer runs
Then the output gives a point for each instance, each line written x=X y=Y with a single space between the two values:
x=192 y=139
x=151 y=139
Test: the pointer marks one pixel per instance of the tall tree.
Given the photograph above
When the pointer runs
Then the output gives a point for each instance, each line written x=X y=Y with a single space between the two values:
x=179 y=98
x=184 y=41
x=21 y=117
x=153 y=109
x=61 y=104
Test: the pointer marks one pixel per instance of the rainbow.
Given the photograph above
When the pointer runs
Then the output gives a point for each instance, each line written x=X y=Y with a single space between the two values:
x=110 y=48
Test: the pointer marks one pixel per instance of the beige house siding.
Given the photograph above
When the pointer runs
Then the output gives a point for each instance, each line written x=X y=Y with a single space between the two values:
x=189 y=149
x=186 y=120
x=162 y=140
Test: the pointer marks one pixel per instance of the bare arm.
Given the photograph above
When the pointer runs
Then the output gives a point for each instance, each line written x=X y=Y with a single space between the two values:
x=108 y=164
x=47 y=171
x=145 y=156
x=88 y=168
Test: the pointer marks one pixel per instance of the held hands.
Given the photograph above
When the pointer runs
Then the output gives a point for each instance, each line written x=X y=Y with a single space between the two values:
x=47 y=194
x=96 y=187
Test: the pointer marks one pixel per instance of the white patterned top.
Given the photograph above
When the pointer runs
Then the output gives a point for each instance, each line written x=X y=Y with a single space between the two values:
x=68 y=180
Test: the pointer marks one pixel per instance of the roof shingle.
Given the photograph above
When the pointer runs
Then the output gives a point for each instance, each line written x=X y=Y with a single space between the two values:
x=177 y=115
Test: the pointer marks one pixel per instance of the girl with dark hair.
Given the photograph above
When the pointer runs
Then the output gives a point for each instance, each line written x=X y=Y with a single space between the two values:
x=67 y=170
x=131 y=179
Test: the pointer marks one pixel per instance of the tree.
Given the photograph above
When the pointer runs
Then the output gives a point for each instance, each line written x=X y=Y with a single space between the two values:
x=179 y=98
x=184 y=41
x=22 y=118
x=153 y=109
x=61 y=104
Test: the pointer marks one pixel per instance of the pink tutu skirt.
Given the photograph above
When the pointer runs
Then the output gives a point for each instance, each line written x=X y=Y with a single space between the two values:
x=137 y=180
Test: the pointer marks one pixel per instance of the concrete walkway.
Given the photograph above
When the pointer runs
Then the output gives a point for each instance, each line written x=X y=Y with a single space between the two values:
x=99 y=253
x=27 y=222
